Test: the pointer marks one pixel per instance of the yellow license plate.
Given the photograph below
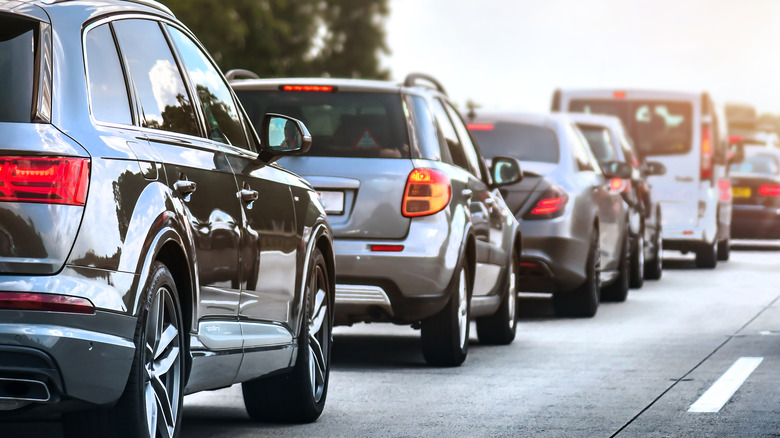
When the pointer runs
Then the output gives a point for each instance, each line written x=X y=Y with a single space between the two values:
x=740 y=192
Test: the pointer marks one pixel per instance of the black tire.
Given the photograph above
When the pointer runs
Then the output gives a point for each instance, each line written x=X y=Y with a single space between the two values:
x=707 y=256
x=724 y=250
x=299 y=396
x=583 y=301
x=501 y=327
x=618 y=290
x=157 y=373
x=654 y=265
x=638 y=261
x=445 y=336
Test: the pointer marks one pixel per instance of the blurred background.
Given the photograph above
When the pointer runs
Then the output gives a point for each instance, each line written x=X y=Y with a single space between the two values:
x=508 y=54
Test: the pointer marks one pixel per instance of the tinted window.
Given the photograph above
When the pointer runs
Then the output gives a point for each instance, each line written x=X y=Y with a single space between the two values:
x=222 y=118
x=107 y=89
x=465 y=140
x=342 y=124
x=454 y=147
x=600 y=142
x=17 y=72
x=657 y=127
x=165 y=103
x=522 y=141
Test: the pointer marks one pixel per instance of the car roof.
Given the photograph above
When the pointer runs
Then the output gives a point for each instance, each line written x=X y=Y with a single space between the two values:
x=631 y=94
x=341 y=84
x=542 y=119
x=595 y=119
x=90 y=9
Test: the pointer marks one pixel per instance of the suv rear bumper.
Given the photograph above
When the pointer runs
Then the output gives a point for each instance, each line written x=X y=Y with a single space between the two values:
x=86 y=358
x=402 y=286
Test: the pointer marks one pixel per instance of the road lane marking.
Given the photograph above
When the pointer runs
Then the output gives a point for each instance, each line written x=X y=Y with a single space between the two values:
x=721 y=391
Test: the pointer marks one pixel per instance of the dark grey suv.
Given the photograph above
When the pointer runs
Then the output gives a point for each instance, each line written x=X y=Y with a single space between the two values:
x=422 y=234
x=149 y=245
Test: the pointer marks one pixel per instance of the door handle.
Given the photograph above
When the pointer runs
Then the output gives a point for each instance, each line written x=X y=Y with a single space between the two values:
x=248 y=195
x=184 y=186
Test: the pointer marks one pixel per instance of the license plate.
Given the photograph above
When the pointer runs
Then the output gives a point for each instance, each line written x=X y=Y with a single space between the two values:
x=332 y=201
x=740 y=192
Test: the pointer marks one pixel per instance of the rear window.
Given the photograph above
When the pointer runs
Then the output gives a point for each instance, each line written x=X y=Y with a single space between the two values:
x=657 y=127
x=599 y=142
x=757 y=163
x=342 y=124
x=522 y=141
x=17 y=68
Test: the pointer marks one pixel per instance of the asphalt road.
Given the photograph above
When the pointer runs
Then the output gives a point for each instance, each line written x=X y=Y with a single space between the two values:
x=634 y=370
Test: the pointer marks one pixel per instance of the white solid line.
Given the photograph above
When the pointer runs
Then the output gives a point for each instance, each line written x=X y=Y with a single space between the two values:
x=721 y=391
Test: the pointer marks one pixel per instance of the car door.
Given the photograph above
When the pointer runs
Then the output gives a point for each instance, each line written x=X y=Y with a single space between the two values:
x=199 y=175
x=269 y=240
x=488 y=229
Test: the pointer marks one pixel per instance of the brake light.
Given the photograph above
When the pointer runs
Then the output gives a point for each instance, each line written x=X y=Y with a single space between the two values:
x=619 y=94
x=480 y=127
x=427 y=192
x=45 y=302
x=551 y=204
x=325 y=88
x=50 y=180
x=619 y=185
x=724 y=190
x=735 y=139
x=706 y=152
x=769 y=190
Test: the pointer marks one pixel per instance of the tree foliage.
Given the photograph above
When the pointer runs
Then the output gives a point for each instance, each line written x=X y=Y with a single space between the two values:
x=276 y=38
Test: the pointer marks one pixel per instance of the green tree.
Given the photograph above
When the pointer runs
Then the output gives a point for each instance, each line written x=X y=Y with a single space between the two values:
x=277 y=38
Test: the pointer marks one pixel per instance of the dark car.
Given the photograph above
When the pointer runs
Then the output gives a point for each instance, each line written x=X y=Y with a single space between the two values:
x=609 y=142
x=422 y=234
x=149 y=245
x=755 y=187
x=575 y=229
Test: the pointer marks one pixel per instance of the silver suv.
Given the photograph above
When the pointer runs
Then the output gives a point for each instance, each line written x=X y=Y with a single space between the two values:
x=422 y=234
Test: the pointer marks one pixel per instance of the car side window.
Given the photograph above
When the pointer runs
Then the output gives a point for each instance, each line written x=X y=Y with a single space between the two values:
x=579 y=148
x=465 y=140
x=107 y=88
x=164 y=101
x=450 y=136
x=223 y=120
x=423 y=129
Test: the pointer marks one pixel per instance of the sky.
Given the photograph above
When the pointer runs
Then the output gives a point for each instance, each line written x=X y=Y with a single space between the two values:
x=512 y=54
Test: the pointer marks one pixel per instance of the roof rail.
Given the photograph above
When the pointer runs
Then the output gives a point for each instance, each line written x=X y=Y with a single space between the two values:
x=151 y=3
x=411 y=80
x=238 y=73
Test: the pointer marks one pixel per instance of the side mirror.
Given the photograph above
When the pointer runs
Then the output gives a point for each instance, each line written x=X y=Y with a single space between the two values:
x=617 y=169
x=282 y=135
x=736 y=152
x=654 y=168
x=505 y=171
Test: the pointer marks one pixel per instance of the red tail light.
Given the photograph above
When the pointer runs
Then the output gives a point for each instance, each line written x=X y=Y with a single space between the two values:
x=45 y=302
x=619 y=94
x=769 y=190
x=551 y=204
x=427 y=192
x=619 y=185
x=706 y=152
x=50 y=180
x=724 y=190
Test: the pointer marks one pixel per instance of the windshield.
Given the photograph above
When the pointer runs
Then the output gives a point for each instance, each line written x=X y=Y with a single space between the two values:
x=522 y=141
x=657 y=127
x=17 y=68
x=342 y=124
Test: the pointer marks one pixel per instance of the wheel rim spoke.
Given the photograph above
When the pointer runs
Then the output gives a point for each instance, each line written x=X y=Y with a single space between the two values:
x=463 y=322
x=163 y=406
x=316 y=365
x=319 y=312
x=512 y=298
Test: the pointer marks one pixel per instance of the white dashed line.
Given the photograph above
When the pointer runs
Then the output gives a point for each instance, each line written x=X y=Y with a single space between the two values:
x=721 y=391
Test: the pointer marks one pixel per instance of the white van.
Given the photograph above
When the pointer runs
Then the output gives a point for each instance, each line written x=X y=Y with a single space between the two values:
x=686 y=132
